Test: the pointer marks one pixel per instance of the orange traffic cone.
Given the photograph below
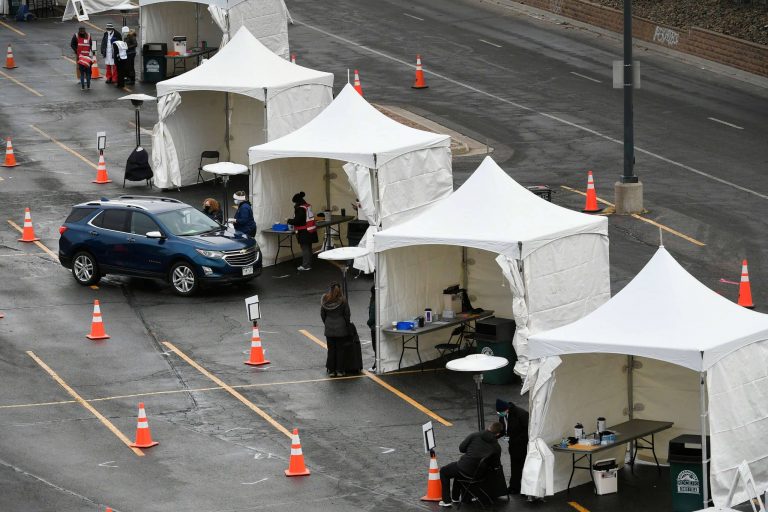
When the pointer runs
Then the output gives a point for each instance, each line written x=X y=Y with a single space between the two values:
x=101 y=172
x=257 y=353
x=745 y=289
x=356 y=84
x=143 y=436
x=420 y=83
x=296 y=465
x=591 y=206
x=434 y=487
x=28 y=233
x=10 y=158
x=293 y=58
x=97 y=325
x=9 y=62
x=95 y=73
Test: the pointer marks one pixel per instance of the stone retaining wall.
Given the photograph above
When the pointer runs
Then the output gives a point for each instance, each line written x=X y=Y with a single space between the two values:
x=737 y=53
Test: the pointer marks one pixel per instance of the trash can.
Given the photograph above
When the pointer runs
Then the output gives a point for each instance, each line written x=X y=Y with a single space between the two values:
x=13 y=7
x=493 y=337
x=355 y=231
x=686 y=472
x=154 y=64
x=606 y=475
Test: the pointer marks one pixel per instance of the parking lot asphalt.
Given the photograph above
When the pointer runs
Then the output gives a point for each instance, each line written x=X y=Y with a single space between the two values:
x=65 y=401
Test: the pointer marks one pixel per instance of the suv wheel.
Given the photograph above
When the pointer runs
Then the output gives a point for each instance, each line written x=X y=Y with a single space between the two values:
x=183 y=279
x=85 y=269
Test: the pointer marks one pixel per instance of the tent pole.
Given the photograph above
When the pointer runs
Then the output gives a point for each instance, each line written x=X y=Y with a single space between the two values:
x=376 y=275
x=464 y=273
x=328 y=183
x=227 y=127
x=630 y=387
x=266 y=121
x=704 y=460
x=197 y=24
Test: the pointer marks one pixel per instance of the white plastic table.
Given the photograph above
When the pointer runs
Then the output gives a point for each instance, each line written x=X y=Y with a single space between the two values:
x=343 y=254
x=225 y=170
x=477 y=364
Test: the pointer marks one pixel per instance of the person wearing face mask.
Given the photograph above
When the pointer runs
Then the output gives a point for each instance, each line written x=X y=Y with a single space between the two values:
x=243 y=221
x=81 y=45
x=212 y=209
x=108 y=52
x=514 y=419
x=306 y=231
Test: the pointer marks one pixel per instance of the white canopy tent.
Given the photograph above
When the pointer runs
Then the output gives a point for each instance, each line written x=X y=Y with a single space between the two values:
x=393 y=169
x=242 y=96
x=96 y=6
x=554 y=259
x=214 y=21
x=693 y=356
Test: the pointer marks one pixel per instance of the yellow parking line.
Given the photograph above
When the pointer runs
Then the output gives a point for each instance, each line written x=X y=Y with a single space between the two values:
x=644 y=219
x=64 y=147
x=20 y=84
x=388 y=387
x=73 y=61
x=36 y=242
x=85 y=404
x=12 y=28
x=577 y=506
x=229 y=389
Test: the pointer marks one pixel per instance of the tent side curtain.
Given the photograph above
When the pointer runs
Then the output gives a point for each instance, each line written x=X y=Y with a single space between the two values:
x=265 y=19
x=738 y=419
x=164 y=156
x=289 y=109
x=160 y=22
x=220 y=18
x=361 y=179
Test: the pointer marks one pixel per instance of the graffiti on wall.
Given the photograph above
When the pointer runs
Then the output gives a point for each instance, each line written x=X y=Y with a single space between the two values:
x=666 y=36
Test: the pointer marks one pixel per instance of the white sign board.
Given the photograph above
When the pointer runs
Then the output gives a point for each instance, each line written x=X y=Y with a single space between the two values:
x=252 y=308
x=429 y=437
x=101 y=141
x=618 y=74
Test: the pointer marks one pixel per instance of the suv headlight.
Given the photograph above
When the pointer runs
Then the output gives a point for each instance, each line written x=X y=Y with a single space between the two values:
x=210 y=254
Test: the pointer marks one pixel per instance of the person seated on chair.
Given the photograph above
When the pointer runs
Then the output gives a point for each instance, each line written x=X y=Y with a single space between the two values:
x=475 y=447
x=212 y=209
x=514 y=420
x=243 y=221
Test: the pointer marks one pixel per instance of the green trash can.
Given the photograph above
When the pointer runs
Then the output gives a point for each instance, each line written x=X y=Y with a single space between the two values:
x=154 y=63
x=685 y=470
x=13 y=7
x=493 y=337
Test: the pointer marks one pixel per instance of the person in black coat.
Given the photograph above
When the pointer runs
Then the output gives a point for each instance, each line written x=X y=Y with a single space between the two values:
x=243 y=221
x=334 y=311
x=306 y=232
x=514 y=419
x=475 y=447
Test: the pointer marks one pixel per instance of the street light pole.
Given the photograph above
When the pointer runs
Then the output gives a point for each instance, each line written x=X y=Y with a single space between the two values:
x=629 y=132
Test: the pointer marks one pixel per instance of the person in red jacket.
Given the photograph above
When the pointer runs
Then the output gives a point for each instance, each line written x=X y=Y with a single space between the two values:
x=81 y=45
x=306 y=231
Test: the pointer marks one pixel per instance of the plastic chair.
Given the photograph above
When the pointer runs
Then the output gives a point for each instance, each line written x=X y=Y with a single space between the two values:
x=206 y=155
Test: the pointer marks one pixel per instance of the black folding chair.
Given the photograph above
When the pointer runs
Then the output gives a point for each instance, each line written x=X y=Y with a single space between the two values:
x=454 y=342
x=472 y=487
x=206 y=155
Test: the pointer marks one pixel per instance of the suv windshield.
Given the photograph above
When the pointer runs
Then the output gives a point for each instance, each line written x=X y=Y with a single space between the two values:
x=187 y=222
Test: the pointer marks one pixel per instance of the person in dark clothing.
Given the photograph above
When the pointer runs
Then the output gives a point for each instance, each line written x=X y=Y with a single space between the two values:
x=334 y=310
x=243 y=221
x=475 y=447
x=131 y=41
x=120 y=51
x=372 y=323
x=515 y=422
x=306 y=231
x=108 y=52
x=212 y=209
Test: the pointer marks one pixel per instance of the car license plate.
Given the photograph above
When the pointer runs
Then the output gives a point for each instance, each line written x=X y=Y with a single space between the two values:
x=247 y=271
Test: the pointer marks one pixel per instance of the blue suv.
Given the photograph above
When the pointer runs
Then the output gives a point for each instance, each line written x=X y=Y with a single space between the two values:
x=154 y=237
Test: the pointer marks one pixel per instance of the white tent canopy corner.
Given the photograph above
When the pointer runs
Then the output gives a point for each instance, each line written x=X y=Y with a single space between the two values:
x=96 y=6
x=698 y=360
x=555 y=261
x=243 y=95
x=395 y=170
x=267 y=20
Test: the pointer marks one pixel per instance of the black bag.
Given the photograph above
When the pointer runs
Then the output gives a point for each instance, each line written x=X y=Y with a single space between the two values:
x=137 y=167
x=353 y=353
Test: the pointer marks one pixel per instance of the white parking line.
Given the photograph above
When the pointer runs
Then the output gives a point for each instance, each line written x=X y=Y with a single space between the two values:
x=412 y=16
x=534 y=111
x=490 y=43
x=725 y=123
x=586 y=77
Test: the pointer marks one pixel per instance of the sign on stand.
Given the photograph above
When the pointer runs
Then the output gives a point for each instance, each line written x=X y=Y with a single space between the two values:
x=429 y=437
x=252 y=308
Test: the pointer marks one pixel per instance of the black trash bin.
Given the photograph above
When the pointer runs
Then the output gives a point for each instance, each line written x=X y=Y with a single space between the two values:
x=493 y=337
x=685 y=470
x=355 y=231
x=153 y=62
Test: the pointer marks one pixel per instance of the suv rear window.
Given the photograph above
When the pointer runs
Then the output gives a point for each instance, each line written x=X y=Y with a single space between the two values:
x=116 y=220
x=79 y=214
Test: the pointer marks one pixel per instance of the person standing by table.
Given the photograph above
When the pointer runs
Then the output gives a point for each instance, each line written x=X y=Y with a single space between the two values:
x=243 y=221
x=108 y=52
x=514 y=419
x=212 y=209
x=334 y=311
x=306 y=231
x=81 y=45
x=131 y=41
